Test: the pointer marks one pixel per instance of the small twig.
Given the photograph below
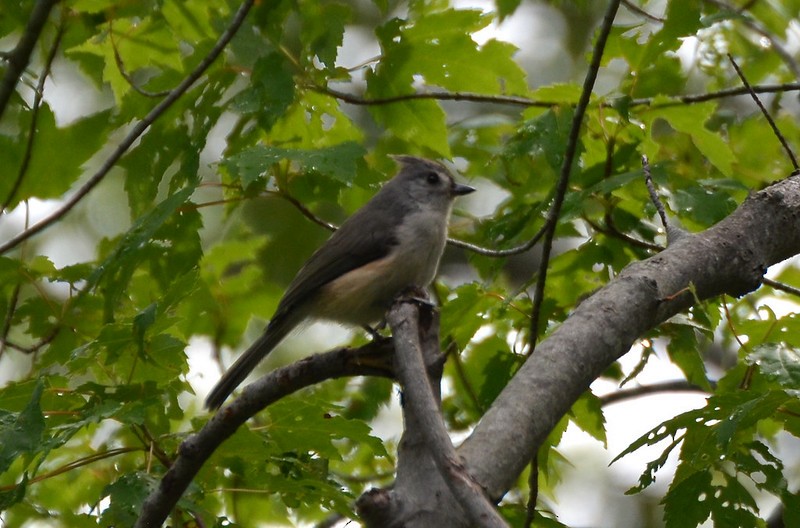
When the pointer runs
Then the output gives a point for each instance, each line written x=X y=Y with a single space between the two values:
x=37 y=104
x=18 y=58
x=533 y=493
x=566 y=168
x=136 y=131
x=75 y=464
x=498 y=253
x=720 y=94
x=768 y=117
x=438 y=95
x=647 y=390
x=673 y=230
x=610 y=229
x=781 y=286
x=124 y=72
x=480 y=250
x=304 y=210
x=527 y=102
x=641 y=12
x=465 y=381
x=651 y=189
x=748 y=374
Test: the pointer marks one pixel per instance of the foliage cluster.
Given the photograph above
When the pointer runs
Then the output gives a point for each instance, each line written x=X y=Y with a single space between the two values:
x=280 y=128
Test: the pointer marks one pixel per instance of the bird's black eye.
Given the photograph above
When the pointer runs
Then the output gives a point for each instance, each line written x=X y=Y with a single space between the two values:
x=432 y=177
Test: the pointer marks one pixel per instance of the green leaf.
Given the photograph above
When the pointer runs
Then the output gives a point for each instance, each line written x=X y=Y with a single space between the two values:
x=339 y=162
x=22 y=433
x=684 y=350
x=687 y=502
x=58 y=155
x=778 y=362
x=691 y=120
x=270 y=92
x=323 y=29
x=587 y=414
x=127 y=494
x=119 y=265
x=308 y=425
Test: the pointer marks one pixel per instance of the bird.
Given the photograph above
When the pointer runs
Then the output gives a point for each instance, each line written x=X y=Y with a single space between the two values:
x=393 y=242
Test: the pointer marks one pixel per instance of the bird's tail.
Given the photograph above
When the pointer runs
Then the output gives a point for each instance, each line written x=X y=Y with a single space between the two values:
x=241 y=368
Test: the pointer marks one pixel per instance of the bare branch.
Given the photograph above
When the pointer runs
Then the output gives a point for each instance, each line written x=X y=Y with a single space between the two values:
x=612 y=230
x=373 y=359
x=37 y=103
x=766 y=114
x=20 y=56
x=528 y=102
x=648 y=390
x=566 y=167
x=124 y=72
x=438 y=95
x=641 y=12
x=136 y=131
x=781 y=286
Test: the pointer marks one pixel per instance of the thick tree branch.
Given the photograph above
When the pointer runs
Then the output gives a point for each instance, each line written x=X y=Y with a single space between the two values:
x=730 y=258
x=373 y=359
x=137 y=130
x=419 y=401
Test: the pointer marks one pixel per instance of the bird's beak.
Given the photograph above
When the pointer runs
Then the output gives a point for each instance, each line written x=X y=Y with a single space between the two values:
x=461 y=190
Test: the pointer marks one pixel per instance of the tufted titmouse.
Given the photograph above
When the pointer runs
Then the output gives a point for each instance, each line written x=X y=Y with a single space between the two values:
x=394 y=241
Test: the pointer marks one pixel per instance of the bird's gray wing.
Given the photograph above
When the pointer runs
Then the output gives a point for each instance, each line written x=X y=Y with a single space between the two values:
x=367 y=236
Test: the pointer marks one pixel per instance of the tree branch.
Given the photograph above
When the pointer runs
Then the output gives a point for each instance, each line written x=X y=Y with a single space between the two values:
x=20 y=56
x=566 y=167
x=730 y=258
x=425 y=413
x=647 y=390
x=136 y=131
x=37 y=104
x=373 y=359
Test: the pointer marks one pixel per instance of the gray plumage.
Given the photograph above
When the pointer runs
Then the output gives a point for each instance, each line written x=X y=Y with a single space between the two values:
x=394 y=241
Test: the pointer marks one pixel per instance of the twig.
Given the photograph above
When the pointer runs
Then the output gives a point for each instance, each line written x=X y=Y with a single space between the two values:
x=611 y=229
x=137 y=130
x=76 y=464
x=720 y=94
x=419 y=400
x=533 y=493
x=18 y=58
x=566 y=167
x=755 y=26
x=639 y=11
x=438 y=95
x=480 y=250
x=373 y=359
x=768 y=117
x=647 y=390
x=651 y=189
x=124 y=72
x=37 y=104
x=673 y=230
x=304 y=210
x=527 y=102
x=781 y=286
